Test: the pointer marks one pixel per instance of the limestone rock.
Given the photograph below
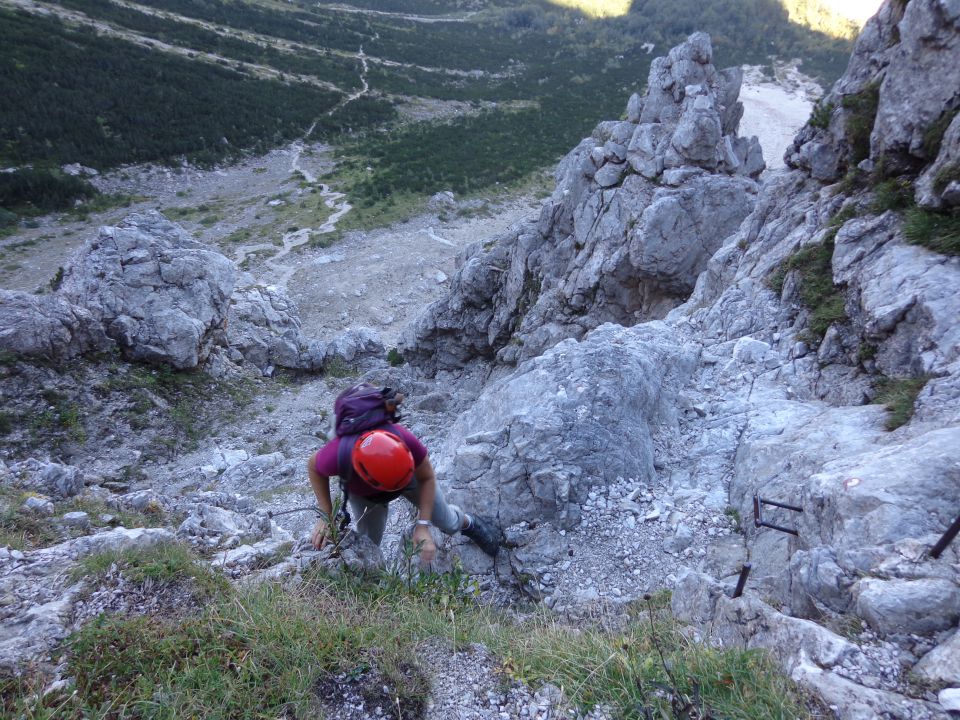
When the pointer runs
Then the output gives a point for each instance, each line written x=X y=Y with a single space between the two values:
x=264 y=327
x=928 y=48
x=215 y=526
x=354 y=347
x=942 y=664
x=50 y=478
x=611 y=245
x=47 y=326
x=539 y=440
x=908 y=606
x=159 y=294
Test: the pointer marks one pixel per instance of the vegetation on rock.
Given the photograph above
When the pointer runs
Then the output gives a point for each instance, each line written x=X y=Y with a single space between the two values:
x=271 y=649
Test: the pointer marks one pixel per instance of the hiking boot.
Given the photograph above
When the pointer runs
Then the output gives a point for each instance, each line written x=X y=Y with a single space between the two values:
x=484 y=533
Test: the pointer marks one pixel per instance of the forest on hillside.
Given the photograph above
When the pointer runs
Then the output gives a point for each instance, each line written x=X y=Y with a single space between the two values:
x=542 y=74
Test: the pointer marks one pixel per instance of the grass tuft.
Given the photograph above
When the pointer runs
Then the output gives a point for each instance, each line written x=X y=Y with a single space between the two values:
x=861 y=115
x=163 y=563
x=817 y=290
x=935 y=231
x=892 y=194
x=899 y=396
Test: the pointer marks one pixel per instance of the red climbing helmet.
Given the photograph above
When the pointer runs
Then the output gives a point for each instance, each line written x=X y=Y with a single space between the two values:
x=383 y=461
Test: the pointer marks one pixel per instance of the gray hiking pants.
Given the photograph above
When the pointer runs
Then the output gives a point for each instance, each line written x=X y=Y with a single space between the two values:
x=371 y=517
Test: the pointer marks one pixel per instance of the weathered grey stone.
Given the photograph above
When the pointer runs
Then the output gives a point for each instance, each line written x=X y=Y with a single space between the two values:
x=908 y=606
x=942 y=664
x=634 y=108
x=577 y=267
x=928 y=48
x=950 y=699
x=558 y=417
x=39 y=504
x=217 y=526
x=264 y=326
x=698 y=132
x=159 y=294
x=610 y=174
x=47 y=326
x=54 y=479
x=77 y=519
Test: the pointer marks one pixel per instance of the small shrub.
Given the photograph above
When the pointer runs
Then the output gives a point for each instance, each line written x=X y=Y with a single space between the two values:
x=861 y=115
x=822 y=112
x=935 y=231
x=899 y=395
x=394 y=357
x=337 y=368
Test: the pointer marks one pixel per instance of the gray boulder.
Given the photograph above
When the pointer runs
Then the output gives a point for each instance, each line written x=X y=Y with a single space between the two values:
x=49 y=478
x=264 y=329
x=942 y=664
x=160 y=295
x=533 y=444
x=47 y=326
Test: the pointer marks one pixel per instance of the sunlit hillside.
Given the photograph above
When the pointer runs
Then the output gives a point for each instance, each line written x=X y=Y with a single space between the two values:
x=837 y=18
x=597 y=8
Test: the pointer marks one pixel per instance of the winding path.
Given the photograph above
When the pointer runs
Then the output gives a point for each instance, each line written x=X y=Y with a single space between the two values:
x=334 y=200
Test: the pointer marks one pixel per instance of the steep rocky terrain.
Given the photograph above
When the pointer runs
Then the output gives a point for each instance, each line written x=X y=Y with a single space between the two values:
x=617 y=382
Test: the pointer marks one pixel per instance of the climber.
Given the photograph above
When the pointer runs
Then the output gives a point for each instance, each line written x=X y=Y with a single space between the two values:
x=386 y=463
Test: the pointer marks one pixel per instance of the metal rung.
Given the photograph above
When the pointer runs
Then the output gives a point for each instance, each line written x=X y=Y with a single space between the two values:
x=758 y=521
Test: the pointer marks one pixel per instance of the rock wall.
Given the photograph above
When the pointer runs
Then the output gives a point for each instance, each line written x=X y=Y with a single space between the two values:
x=767 y=397
x=639 y=208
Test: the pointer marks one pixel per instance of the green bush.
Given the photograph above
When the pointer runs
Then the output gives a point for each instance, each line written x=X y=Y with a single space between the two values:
x=394 y=357
x=821 y=114
x=817 y=290
x=892 y=194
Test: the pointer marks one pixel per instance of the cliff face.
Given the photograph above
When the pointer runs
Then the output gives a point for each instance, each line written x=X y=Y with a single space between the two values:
x=798 y=302
x=639 y=208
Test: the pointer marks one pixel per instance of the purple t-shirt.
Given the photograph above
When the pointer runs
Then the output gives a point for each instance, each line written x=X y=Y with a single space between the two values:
x=326 y=462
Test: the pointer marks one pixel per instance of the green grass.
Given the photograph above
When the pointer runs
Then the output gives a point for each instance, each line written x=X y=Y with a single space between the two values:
x=933 y=135
x=270 y=651
x=861 y=114
x=946 y=175
x=164 y=563
x=935 y=231
x=28 y=531
x=817 y=290
x=898 y=396
x=169 y=410
x=892 y=194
